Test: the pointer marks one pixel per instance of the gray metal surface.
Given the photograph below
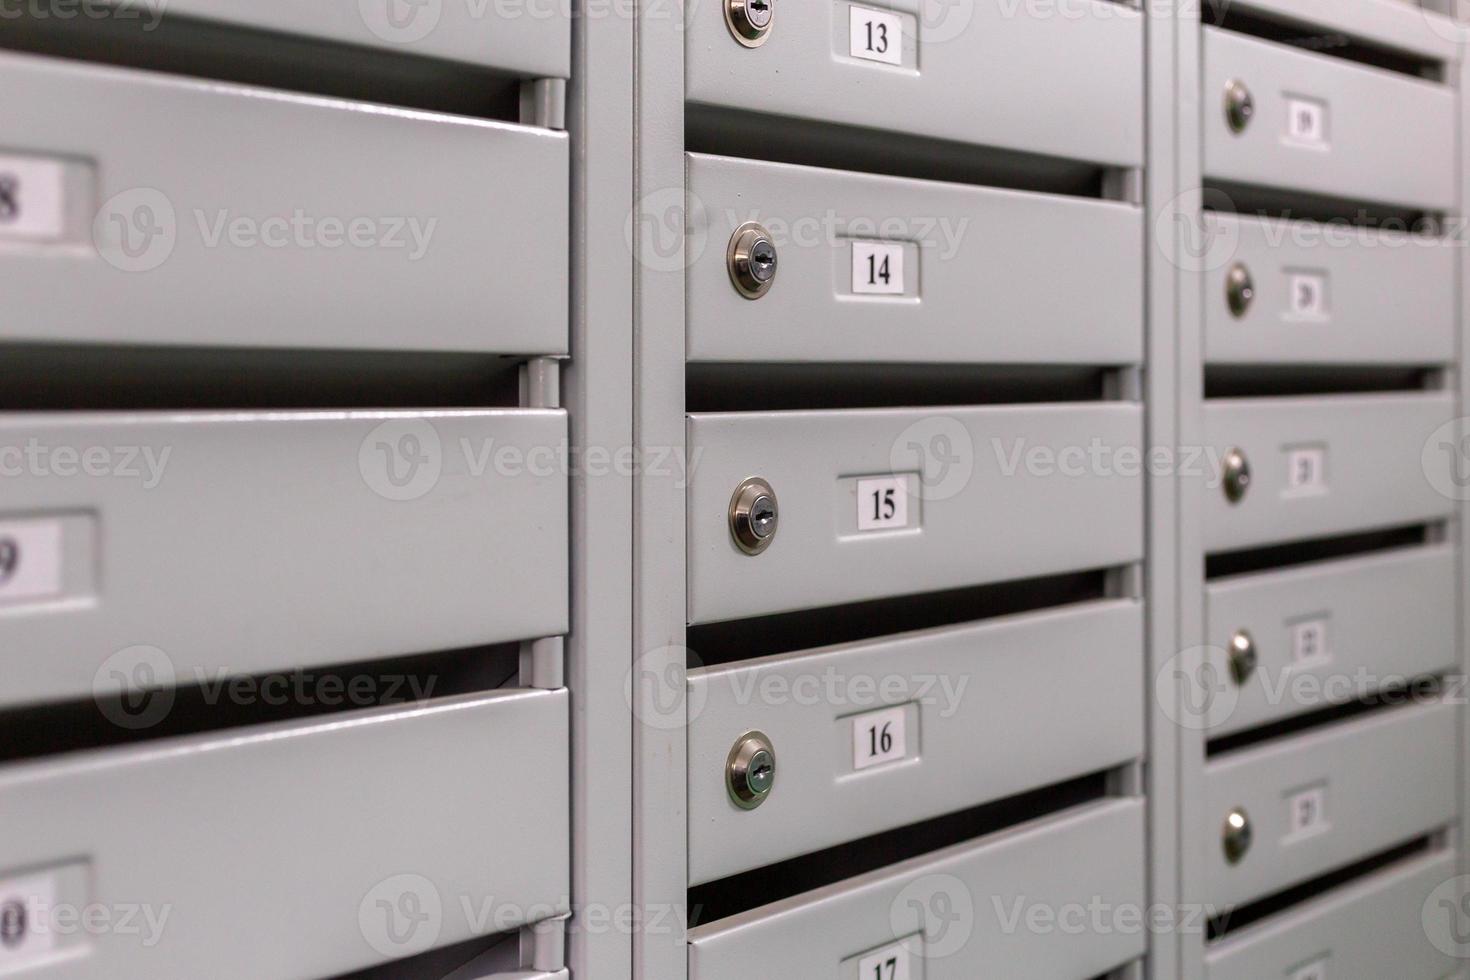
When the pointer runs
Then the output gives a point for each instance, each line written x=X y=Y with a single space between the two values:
x=1331 y=295
x=337 y=224
x=1388 y=137
x=969 y=740
x=1359 y=637
x=989 y=276
x=266 y=852
x=985 y=504
x=978 y=887
x=1382 y=780
x=1403 y=25
x=805 y=70
x=532 y=37
x=1372 y=929
x=1375 y=469
x=259 y=542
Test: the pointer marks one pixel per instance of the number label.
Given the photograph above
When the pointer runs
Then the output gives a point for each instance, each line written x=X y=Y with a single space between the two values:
x=1308 y=296
x=32 y=199
x=1309 y=641
x=875 y=35
x=24 y=939
x=879 y=737
x=30 y=560
x=883 y=503
x=1312 y=971
x=1306 y=121
x=1306 y=470
x=1307 y=812
x=877 y=268
x=885 y=964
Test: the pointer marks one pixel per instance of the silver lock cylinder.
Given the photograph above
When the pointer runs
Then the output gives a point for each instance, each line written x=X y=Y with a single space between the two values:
x=752 y=260
x=754 y=515
x=1236 y=476
x=750 y=21
x=1243 y=657
x=1240 y=289
x=1236 y=836
x=750 y=770
x=1240 y=106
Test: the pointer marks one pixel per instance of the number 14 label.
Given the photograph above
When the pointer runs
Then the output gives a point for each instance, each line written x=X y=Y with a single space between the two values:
x=877 y=268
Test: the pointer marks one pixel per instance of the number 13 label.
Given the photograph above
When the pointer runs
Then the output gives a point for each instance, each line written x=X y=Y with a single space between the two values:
x=876 y=35
x=886 y=964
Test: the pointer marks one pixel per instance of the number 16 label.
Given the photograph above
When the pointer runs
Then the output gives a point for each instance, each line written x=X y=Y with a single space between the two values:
x=877 y=268
x=879 y=737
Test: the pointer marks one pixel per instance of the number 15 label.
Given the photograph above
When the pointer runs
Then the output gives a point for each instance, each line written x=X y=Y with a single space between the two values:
x=876 y=35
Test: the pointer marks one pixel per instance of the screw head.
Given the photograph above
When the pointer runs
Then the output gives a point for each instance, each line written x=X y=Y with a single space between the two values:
x=1237 y=476
x=1236 y=836
x=750 y=21
x=752 y=260
x=1243 y=657
x=1240 y=106
x=1240 y=289
x=750 y=770
x=754 y=515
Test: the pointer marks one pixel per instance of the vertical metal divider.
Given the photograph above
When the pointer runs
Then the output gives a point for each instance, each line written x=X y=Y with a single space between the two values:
x=1161 y=399
x=1461 y=533
x=1187 y=661
x=597 y=389
x=656 y=682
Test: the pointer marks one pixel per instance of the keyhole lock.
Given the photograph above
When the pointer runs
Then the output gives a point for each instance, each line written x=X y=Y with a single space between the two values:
x=750 y=20
x=754 y=515
x=1240 y=106
x=1240 y=289
x=1237 y=476
x=1243 y=657
x=750 y=771
x=752 y=260
x=1237 y=835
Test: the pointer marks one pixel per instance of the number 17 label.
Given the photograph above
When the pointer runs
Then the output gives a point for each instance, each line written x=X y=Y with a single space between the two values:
x=885 y=964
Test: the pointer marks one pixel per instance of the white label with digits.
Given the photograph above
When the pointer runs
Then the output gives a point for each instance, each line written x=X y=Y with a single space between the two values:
x=877 y=268
x=876 y=35
x=883 y=503
x=886 y=964
x=1306 y=470
x=30 y=560
x=1307 y=812
x=1312 y=971
x=1308 y=296
x=24 y=939
x=879 y=737
x=1309 y=641
x=32 y=199
x=1306 y=121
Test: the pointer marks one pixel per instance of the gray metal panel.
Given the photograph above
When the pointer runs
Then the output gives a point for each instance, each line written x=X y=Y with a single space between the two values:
x=532 y=37
x=270 y=541
x=992 y=276
x=1371 y=930
x=972 y=739
x=1390 y=137
x=1360 y=604
x=980 y=74
x=1377 y=470
x=1066 y=864
x=1386 y=779
x=269 y=848
x=248 y=216
x=1400 y=24
x=1375 y=297
x=990 y=508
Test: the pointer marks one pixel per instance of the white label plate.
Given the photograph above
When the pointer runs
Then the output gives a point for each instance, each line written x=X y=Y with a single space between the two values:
x=1306 y=470
x=877 y=268
x=879 y=737
x=891 y=963
x=24 y=939
x=1309 y=641
x=883 y=503
x=875 y=35
x=32 y=199
x=1308 y=296
x=30 y=560
x=1307 y=812
x=1306 y=122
